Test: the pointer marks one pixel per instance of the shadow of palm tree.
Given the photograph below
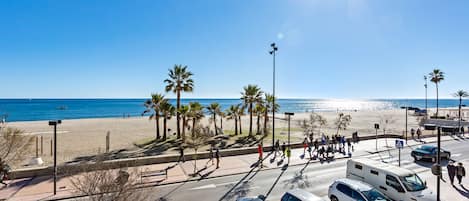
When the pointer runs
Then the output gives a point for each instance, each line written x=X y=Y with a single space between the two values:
x=299 y=180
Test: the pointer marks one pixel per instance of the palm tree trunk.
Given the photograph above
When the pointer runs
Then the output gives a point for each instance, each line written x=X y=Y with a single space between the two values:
x=215 y=123
x=193 y=126
x=183 y=129
x=266 y=119
x=258 y=123
x=250 y=119
x=177 y=114
x=157 y=121
x=240 y=128
x=164 y=127
x=236 y=125
x=436 y=100
x=221 y=122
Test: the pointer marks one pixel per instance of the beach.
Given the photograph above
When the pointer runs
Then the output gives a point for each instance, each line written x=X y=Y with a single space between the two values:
x=87 y=137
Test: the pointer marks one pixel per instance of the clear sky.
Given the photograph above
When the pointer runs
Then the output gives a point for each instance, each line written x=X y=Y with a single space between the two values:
x=327 y=48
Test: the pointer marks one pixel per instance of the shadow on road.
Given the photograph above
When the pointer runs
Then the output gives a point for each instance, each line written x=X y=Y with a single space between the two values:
x=463 y=191
x=284 y=168
x=299 y=180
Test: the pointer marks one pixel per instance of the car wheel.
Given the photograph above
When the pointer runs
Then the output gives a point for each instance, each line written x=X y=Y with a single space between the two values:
x=334 y=198
x=415 y=158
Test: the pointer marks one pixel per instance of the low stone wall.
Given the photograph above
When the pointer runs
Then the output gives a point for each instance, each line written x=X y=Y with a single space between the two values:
x=148 y=160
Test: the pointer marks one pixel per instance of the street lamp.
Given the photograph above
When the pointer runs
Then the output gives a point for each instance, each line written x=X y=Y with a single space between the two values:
x=55 y=123
x=289 y=114
x=272 y=52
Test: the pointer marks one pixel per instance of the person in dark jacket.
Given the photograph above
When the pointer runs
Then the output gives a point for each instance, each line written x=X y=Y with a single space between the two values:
x=451 y=171
x=460 y=172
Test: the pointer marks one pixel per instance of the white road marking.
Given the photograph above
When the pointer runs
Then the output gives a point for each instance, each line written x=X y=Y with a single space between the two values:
x=204 y=187
x=455 y=155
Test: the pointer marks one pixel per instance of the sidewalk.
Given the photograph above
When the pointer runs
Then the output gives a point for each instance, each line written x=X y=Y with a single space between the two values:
x=40 y=188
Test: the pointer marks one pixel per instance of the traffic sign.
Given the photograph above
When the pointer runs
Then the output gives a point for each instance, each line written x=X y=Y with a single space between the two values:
x=399 y=144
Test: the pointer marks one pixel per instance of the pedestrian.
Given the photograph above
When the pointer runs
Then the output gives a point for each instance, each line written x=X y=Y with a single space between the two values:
x=321 y=151
x=260 y=151
x=419 y=132
x=451 y=171
x=217 y=156
x=311 y=137
x=4 y=168
x=349 y=144
x=316 y=145
x=460 y=172
x=310 y=150
x=412 y=132
x=181 y=154
x=277 y=147
x=305 y=145
x=211 y=155
x=283 y=149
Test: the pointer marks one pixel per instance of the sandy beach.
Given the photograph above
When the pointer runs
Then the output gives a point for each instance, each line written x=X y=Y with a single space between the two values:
x=84 y=137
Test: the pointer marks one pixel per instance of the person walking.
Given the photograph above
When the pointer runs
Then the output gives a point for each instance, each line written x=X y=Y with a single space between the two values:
x=451 y=171
x=181 y=154
x=349 y=144
x=284 y=147
x=419 y=133
x=4 y=168
x=277 y=147
x=412 y=133
x=217 y=156
x=460 y=172
x=260 y=151
x=310 y=150
x=305 y=145
x=210 y=155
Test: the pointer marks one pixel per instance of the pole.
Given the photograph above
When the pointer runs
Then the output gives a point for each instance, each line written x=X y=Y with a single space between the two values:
x=426 y=108
x=399 y=157
x=459 y=122
x=273 y=101
x=438 y=160
x=37 y=146
x=51 y=144
x=107 y=141
x=406 y=113
x=289 y=148
x=55 y=159
x=42 y=145
x=376 y=139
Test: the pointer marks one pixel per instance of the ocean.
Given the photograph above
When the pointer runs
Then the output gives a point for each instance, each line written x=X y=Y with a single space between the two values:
x=51 y=109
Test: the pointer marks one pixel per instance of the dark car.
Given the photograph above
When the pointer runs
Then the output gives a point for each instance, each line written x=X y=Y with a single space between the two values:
x=429 y=152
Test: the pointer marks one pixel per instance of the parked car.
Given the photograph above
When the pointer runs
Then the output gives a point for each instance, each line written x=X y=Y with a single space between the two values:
x=259 y=198
x=300 y=195
x=429 y=152
x=353 y=190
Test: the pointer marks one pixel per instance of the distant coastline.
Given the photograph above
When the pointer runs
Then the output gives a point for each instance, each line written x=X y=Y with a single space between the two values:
x=46 y=109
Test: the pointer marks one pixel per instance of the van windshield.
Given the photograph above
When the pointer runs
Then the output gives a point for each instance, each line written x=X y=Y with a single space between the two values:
x=374 y=195
x=413 y=183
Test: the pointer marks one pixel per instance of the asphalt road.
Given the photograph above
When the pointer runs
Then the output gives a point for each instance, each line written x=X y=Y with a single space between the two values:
x=314 y=177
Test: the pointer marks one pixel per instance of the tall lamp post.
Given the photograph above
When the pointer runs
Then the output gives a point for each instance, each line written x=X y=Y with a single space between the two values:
x=272 y=52
x=55 y=123
x=406 y=122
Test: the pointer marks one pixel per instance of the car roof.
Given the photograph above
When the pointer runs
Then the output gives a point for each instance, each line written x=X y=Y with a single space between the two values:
x=385 y=167
x=427 y=147
x=355 y=185
x=304 y=195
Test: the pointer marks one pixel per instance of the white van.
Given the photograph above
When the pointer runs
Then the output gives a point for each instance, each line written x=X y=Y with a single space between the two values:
x=397 y=183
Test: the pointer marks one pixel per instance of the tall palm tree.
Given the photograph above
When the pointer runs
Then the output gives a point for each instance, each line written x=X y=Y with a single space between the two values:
x=179 y=81
x=167 y=111
x=195 y=114
x=214 y=109
x=232 y=113
x=259 y=110
x=436 y=76
x=269 y=100
x=241 y=109
x=184 y=112
x=460 y=94
x=153 y=105
x=252 y=94
x=222 y=115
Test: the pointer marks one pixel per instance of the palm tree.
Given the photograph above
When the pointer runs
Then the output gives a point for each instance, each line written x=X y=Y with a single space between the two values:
x=252 y=94
x=167 y=111
x=436 y=76
x=153 y=105
x=269 y=99
x=460 y=94
x=214 y=109
x=184 y=112
x=222 y=115
x=195 y=114
x=241 y=109
x=179 y=80
x=232 y=113
x=259 y=110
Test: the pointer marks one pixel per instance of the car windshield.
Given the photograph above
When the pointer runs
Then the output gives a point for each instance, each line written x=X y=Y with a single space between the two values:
x=374 y=195
x=427 y=148
x=413 y=183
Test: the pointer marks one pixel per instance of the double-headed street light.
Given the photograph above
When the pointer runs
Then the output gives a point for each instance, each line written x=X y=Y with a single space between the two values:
x=272 y=52
x=55 y=123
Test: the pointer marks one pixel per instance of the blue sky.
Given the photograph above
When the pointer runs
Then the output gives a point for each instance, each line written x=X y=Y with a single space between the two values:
x=327 y=48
